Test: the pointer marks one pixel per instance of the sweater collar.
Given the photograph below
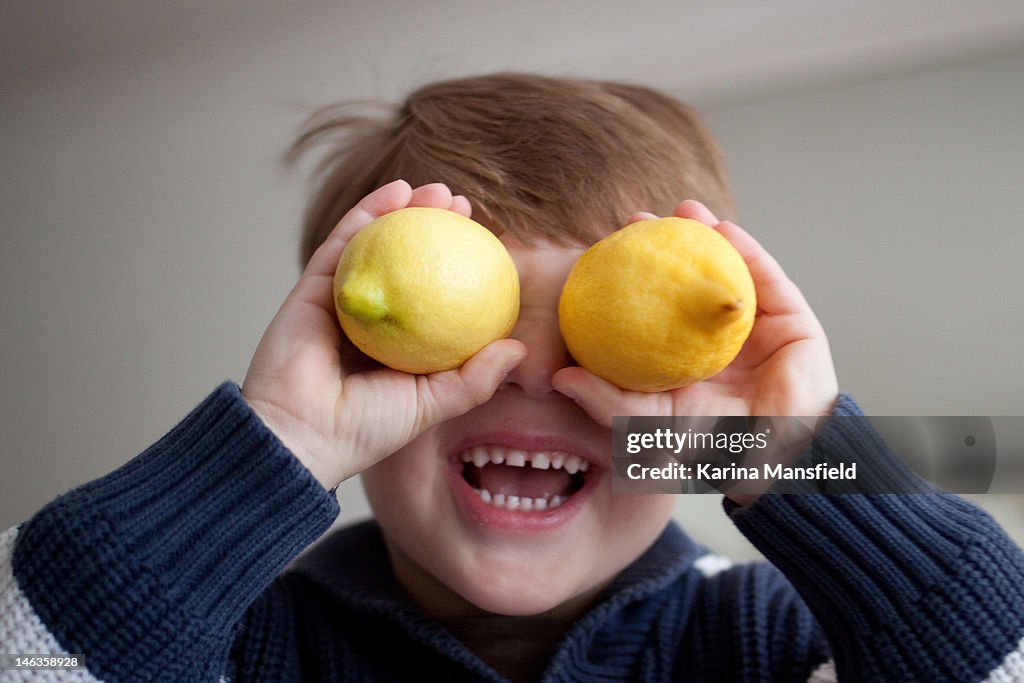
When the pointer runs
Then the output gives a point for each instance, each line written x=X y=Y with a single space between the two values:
x=353 y=567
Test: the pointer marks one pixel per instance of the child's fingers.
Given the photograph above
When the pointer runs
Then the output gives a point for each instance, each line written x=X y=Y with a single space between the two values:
x=461 y=205
x=601 y=399
x=444 y=395
x=640 y=216
x=438 y=195
x=395 y=195
x=689 y=208
x=595 y=395
x=434 y=194
x=694 y=210
x=776 y=293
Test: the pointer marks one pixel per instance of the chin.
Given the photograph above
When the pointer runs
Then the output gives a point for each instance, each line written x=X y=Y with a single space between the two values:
x=514 y=590
x=513 y=604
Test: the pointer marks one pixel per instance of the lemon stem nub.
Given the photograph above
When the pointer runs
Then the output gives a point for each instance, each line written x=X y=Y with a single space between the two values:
x=364 y=303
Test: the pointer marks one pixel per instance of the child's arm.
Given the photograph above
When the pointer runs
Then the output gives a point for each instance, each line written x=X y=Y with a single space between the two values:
x=148 y=571
x=920 y=586
x=912 y=586
x=145 y=572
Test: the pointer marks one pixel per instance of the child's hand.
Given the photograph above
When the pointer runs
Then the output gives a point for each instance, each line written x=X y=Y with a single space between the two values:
x=785 y=367
x=336 y=410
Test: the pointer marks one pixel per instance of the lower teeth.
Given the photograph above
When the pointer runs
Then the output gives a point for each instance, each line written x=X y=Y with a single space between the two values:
x=500 y=500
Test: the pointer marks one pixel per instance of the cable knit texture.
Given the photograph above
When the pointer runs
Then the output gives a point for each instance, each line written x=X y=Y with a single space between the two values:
x=173 y=568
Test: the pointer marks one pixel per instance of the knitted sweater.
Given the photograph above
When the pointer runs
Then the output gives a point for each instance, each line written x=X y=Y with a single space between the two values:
x=173 y=568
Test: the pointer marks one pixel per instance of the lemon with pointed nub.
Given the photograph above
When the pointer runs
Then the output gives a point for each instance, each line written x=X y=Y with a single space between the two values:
x=657 y=305
x=423 y=289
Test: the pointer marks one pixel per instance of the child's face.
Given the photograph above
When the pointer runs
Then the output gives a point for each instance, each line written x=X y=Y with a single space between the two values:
x=452 y=549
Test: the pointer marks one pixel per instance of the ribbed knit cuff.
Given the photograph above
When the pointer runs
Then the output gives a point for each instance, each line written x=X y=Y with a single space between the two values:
x=161 y=557
x=847 y=438
x=912 y=586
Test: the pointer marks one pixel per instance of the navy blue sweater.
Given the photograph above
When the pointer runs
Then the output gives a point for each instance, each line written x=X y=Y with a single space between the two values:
x=173 y=568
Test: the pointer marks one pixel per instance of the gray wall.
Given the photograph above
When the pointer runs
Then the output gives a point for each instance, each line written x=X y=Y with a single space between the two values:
x=895 y=205
x=149 y=232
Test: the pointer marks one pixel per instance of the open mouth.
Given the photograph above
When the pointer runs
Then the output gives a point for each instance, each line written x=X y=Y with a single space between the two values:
x=528 y=481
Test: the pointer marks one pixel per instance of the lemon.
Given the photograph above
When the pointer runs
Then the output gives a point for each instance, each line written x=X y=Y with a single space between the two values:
x=657 y=305
x=423 y=289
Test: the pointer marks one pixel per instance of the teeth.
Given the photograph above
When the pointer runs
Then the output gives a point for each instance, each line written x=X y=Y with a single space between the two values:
x=480 y=456
x=500 y=500
x=516 y=459
x=540 y=460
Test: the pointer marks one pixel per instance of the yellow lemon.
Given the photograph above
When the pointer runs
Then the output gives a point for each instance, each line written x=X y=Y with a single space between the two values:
x=423 y=289
x=657 y=305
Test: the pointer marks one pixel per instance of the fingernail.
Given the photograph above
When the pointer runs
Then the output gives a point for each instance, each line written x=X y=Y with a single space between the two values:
x=510 y=365
x=569 y=393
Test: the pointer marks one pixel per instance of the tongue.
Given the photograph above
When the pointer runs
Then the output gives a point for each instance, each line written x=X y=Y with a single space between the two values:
x=525 y=482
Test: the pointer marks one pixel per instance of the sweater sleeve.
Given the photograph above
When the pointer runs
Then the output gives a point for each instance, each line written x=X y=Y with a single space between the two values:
x=919 y=586
x=147 y=571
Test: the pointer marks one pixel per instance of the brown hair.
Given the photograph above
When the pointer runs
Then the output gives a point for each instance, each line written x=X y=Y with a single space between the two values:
x=547 y=158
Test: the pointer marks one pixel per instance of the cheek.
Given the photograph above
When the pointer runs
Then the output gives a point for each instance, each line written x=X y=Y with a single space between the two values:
x=409 y=481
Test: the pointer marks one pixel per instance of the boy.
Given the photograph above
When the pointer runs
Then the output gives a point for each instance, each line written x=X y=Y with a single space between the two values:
x=171 y=567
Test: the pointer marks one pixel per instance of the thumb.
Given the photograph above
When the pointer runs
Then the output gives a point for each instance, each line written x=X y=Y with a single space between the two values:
x=444 y=395
x=602 y=400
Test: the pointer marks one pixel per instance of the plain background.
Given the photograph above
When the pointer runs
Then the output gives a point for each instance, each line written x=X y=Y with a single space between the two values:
x=149 y=231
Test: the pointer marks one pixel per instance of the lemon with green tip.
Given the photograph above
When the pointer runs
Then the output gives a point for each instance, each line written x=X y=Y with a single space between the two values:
x=422 y=289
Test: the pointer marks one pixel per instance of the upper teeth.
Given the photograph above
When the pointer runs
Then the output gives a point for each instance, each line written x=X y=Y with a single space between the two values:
x=540 y=460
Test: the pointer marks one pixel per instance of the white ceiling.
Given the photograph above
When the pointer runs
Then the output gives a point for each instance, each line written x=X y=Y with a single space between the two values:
x=714 y=51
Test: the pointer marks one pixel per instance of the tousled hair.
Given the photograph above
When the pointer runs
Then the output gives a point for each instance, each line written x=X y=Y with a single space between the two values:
x=554 y=159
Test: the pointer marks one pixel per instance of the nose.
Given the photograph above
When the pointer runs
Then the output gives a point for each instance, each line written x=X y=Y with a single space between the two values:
x=546 y=352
